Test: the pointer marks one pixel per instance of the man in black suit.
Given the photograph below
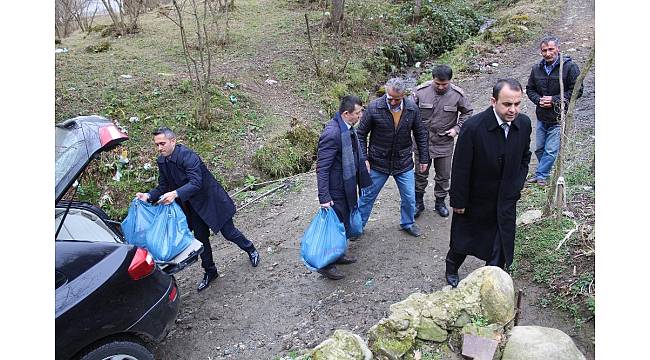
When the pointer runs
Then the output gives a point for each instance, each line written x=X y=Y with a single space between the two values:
x=340 y=170
x=488 y=172
x=184 y=178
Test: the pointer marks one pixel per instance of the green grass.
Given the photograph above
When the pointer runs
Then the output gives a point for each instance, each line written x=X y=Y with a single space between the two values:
x=569 y=280
x=517 y=21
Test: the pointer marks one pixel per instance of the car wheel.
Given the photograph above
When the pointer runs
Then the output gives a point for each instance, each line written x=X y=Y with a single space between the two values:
x=119 y=350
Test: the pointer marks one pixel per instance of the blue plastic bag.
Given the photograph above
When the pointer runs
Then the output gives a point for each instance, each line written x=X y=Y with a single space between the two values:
x=161 y=229
x=324 y=241
x=356 y=224
x=138 y=221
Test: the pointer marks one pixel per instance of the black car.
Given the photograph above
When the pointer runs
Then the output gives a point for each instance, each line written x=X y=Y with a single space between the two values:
x=112 y=298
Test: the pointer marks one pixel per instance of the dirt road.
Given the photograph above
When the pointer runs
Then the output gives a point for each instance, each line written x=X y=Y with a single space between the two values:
x=261 y=313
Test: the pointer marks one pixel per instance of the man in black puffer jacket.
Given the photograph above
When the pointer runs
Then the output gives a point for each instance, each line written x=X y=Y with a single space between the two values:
x=543 y=89
x=390 y=121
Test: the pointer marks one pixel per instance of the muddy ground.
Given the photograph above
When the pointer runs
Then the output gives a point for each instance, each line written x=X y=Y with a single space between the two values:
x=264 y=312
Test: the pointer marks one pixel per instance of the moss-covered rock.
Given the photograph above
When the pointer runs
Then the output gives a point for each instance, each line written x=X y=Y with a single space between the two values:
x=390 y=340
x=343 y=345
x=427 y=329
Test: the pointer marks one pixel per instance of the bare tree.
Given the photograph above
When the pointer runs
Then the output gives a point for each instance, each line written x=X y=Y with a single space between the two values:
x=196 y=43
x=131 y=9
x=63 y=19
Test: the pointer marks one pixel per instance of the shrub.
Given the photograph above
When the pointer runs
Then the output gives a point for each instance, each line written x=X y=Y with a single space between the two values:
x=442 y=26
x=288 y=154
x=100 y=47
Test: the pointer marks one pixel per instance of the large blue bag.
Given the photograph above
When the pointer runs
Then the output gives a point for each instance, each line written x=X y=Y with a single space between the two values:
x=324 y=241
x=161 y=229
x=356 y=223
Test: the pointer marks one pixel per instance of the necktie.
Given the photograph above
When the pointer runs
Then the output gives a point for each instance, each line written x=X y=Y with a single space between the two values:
x=506 y=127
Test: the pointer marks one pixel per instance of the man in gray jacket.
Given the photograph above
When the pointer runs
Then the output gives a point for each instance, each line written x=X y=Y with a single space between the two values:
x=444 y=108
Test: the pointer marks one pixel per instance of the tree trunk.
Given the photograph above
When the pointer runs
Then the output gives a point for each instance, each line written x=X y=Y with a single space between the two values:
x=556 y=193
x=338 y=9
x=416 y=11
x=119 y=25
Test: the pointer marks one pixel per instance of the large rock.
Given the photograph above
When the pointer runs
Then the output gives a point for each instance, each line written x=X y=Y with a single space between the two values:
x=528 y=217
x=540 y=343
x=343 y=345
x=487 y=293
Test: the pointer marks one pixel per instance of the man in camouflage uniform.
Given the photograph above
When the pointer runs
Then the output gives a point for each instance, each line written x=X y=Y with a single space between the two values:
x=444 y=108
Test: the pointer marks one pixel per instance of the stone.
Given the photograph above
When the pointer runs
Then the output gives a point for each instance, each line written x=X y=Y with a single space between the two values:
x=342 y=345
x=427 y=329
x=529 y=217
x=497 y=295
x=540 y=343
x=386 y=342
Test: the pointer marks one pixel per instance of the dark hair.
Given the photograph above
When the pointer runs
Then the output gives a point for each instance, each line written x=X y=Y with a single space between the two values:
x=169 y=133
x=513 y=84
x=549 y=38
x=442 y=72
x=348 y=103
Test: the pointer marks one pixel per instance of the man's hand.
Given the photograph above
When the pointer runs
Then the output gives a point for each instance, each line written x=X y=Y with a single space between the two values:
x=423 y=167
x=546 y=101
x=451 y=132
x=142 y=196
x=459 y=211
x=327 y=205
x=167 y=198
x=368 y=166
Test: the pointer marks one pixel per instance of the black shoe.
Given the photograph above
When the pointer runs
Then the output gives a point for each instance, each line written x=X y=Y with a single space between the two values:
x=419 y=204
x=452 y=279
x=354 y=238
x=331 y=272
x=207 y=279
x=346 y=259
x=254 y=257
x=414 y=230
x=441 y=208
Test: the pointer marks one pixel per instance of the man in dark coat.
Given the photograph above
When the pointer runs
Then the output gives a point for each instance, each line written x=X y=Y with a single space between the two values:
x=543 y=89
x=488 y=172
x=184 y=178
x=391 y=121
x=341 y=170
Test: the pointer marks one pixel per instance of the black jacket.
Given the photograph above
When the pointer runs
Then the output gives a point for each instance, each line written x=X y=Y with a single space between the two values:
x=487 y=176
x=390 y=149
x=540 y=84
x=185 y=172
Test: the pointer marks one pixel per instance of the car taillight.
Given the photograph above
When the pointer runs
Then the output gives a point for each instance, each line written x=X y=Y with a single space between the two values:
x=141 y=265
x=172 y=294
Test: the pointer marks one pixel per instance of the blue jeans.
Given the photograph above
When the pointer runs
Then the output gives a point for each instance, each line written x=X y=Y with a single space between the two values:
x=406 y=185
x=547 y=144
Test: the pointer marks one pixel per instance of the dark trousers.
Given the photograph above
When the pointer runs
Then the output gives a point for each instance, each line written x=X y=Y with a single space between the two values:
x=442 y=168
x=454 y=260
x=202 y=233
x=342 y=212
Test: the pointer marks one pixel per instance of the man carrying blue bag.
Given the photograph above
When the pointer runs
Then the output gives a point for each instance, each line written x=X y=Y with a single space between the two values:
x=341 y=172
x=184 y=178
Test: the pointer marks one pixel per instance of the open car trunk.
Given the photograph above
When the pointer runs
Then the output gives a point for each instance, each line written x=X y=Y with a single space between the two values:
x=86 y=222
x=78 y=142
